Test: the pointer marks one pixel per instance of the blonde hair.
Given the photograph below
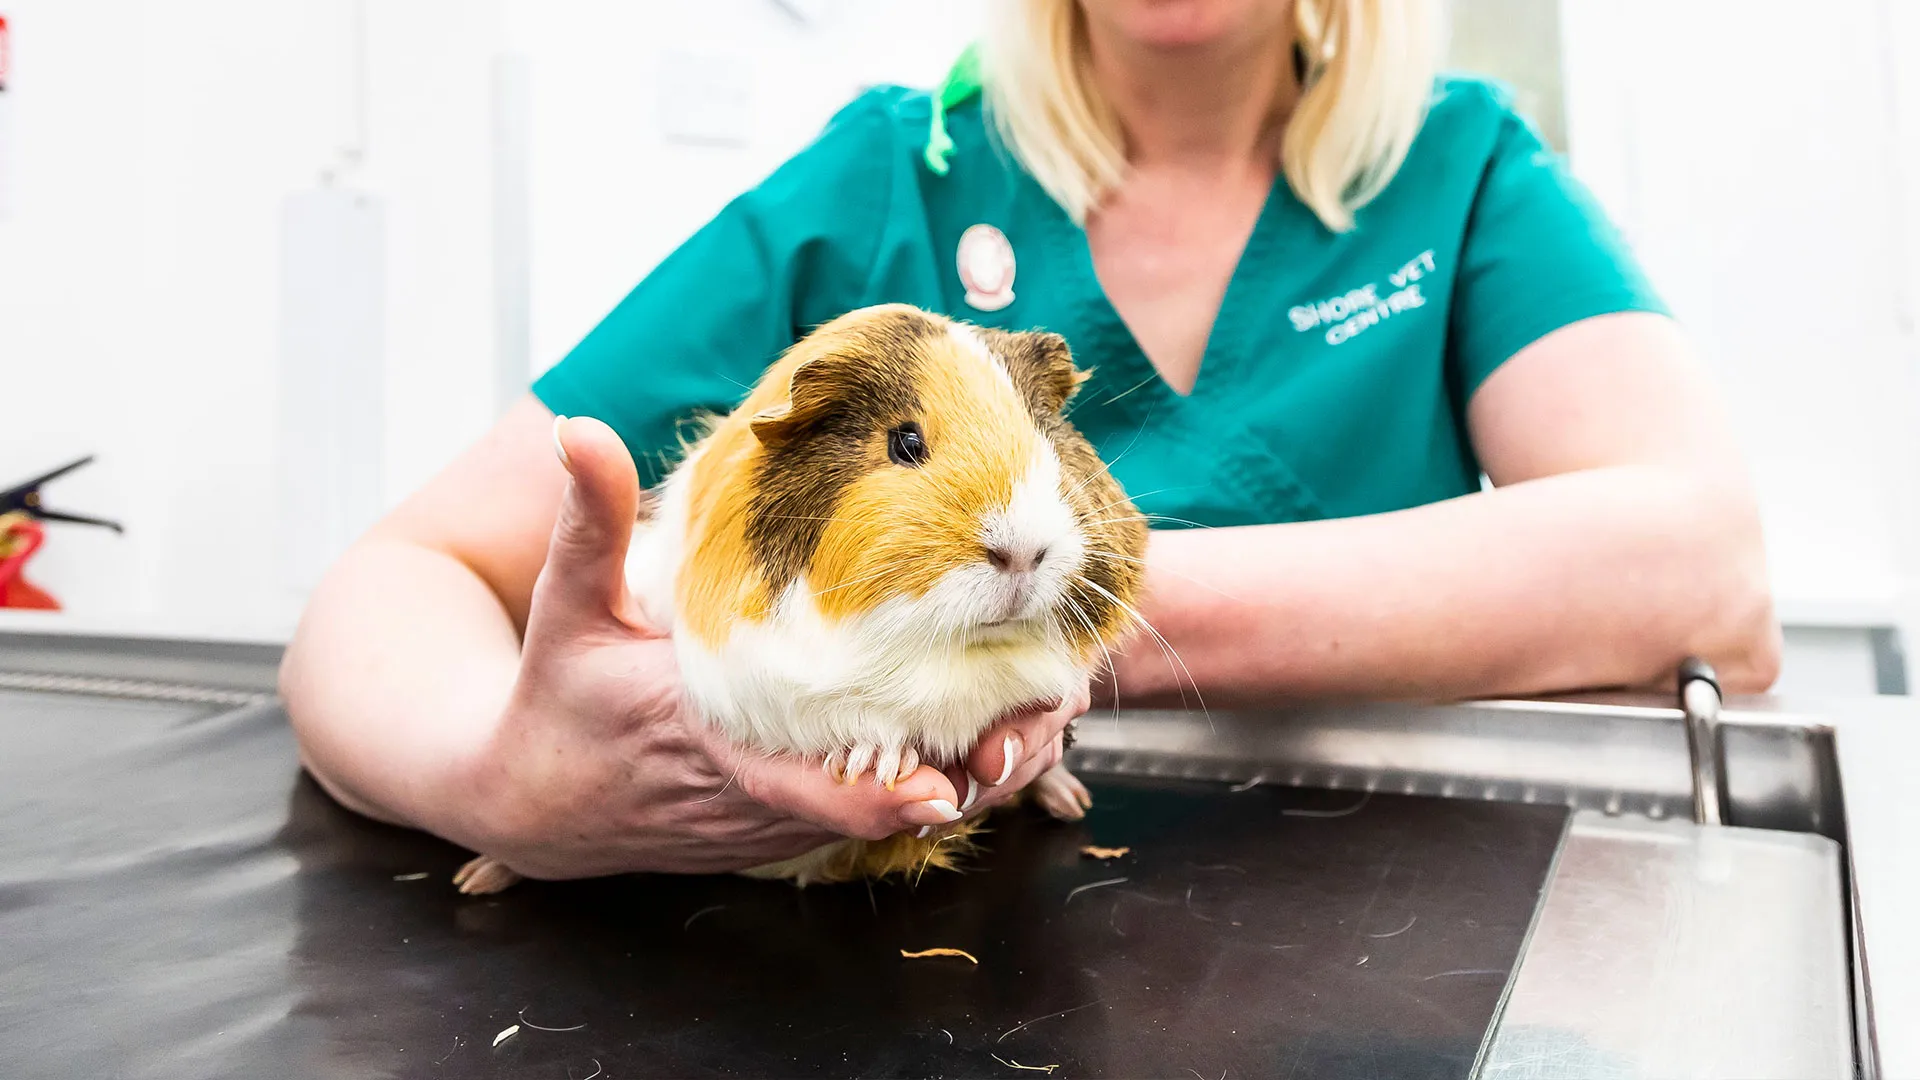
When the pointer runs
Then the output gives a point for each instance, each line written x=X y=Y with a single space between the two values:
x=1369 y=75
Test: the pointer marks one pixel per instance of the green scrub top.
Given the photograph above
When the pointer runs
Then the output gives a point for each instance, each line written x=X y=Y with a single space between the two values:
x=1337 y=375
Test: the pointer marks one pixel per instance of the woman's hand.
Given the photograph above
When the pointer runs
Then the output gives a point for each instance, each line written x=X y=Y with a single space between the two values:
x=598 y=766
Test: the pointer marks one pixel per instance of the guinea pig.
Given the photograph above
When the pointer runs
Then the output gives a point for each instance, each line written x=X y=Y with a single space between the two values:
x=895 y=541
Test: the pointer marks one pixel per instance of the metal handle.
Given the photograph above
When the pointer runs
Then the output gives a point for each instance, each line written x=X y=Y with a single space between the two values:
x=1700 y=702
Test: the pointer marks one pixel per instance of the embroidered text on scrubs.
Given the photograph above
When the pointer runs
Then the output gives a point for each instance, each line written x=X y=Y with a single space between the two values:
x=1356 y=310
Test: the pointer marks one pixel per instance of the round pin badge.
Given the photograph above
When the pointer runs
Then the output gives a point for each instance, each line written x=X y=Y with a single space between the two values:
x=985 y=260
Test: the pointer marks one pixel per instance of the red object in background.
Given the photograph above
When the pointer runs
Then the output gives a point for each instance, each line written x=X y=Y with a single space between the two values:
x=24 y=538
x=6 y=54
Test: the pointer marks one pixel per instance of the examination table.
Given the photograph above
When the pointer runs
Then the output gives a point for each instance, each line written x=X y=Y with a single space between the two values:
x=1610 y=887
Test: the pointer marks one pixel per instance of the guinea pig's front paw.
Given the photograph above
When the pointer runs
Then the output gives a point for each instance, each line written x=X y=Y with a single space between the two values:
x=890 y=763
x=484 y=876
x=1062 y=794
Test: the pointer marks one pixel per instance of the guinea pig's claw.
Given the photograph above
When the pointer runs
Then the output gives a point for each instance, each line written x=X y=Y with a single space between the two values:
x=895 y=764
x=890 y=764
x=858 y=760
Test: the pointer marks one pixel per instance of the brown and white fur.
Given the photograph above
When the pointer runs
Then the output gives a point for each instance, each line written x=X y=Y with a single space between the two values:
x=840 y=591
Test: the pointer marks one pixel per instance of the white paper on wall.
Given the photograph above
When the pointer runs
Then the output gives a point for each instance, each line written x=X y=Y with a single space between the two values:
x=332 y=375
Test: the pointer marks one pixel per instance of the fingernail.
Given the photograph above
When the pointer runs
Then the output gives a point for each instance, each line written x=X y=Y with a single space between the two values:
x=973 y=792
x=1011 y=747
x=560 y=448
x=925 y=831
x=929 y=812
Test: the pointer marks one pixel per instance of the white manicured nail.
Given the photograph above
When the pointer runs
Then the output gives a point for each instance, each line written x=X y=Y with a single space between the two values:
x=925 y=831
x=560 y=448
x=973 y=792
x=1011 y=747
x=929 y=812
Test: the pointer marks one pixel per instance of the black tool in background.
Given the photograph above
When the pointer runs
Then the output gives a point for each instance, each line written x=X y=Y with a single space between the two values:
x=26 y=498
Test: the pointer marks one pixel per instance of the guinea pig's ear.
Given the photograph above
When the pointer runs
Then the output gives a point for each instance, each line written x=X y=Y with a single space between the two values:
x=1041 y=366
x=808 y=394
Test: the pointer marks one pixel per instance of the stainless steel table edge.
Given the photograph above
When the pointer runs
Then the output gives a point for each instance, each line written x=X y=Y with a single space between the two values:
x=1491 y=1037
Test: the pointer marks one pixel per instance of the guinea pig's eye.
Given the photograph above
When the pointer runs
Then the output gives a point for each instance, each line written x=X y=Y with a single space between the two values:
x=907 y=446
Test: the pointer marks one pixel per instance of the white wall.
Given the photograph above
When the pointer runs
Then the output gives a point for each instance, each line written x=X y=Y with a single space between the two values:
x=154 y=144
x=1767 y=166
x=1764 y=167
x=615 y=190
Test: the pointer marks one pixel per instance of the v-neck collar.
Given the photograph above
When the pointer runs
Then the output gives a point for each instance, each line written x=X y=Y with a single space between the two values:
x=1131 y=383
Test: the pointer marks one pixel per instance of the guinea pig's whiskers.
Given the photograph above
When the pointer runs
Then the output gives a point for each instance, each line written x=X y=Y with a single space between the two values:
x=1136 y=498
x=1176 y=573
x=856 y=581
x=1131 y=389
x=1113 y=671
x=1166 y=647
x=1154 y=517
x=804 y=517
x=1106 y=467
x=723 y=787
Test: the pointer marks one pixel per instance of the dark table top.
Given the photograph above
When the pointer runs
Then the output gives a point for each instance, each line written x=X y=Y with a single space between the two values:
x=176 y=900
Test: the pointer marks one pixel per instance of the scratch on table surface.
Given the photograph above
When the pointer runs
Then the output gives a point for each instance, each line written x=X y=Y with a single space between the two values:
x=1048 y=1069
x=1049 y=1016
x=1227 y=867
x=1195 y=914
x=1410 y=921
x=597 y=1070
x=1077 y=890
x=1348 y=811
x=1463 y=971
x=524 y=1022
x=458 y=1042
x=703 y=911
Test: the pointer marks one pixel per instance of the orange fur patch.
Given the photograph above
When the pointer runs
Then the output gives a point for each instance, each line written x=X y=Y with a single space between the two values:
x=981 y=439
x=855 y=860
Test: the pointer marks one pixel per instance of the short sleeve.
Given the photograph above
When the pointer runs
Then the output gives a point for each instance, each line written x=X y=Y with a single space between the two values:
x=697 y=331
x=1539 y=254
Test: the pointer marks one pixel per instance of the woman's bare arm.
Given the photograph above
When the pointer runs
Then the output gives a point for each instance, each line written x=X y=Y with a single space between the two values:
x=1622 y=536
x=409 y=647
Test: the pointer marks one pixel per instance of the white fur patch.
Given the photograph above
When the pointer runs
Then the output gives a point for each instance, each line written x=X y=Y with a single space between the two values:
x=888 y=677
x=931 y=672
x=1036 y=518
x=653 y=556
x=970 y=340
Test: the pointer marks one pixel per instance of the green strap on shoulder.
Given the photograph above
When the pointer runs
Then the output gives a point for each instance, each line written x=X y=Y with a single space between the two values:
x=962 y=82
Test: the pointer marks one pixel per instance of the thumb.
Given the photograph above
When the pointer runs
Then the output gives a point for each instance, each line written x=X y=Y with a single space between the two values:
x=584 y=580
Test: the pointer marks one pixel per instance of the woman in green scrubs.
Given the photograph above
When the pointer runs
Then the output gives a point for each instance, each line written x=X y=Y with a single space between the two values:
x=1324 y=295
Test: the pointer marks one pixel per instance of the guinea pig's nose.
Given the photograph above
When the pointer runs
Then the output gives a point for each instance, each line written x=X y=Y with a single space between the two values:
x=1009 y=559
